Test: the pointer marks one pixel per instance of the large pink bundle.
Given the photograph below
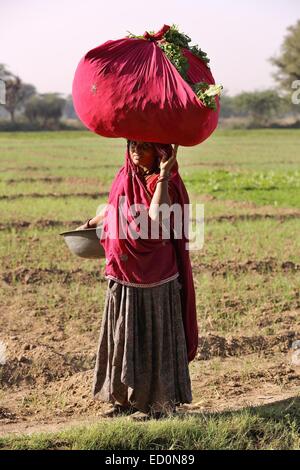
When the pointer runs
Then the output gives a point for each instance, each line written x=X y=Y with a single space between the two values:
x=129 y=88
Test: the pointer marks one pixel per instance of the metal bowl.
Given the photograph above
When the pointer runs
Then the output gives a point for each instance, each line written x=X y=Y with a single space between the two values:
x=85 y=243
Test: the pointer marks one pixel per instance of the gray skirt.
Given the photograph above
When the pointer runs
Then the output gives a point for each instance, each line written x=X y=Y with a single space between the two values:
x=141 y=354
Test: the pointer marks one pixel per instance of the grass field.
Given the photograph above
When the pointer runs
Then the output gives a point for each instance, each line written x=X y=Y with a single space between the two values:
x=247 y=279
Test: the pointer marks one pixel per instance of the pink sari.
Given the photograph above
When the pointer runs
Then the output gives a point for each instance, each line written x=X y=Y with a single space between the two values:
x=147 y=262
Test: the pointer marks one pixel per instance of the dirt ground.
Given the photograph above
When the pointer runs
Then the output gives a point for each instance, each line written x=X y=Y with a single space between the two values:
x=46 y=381
x=47 y=377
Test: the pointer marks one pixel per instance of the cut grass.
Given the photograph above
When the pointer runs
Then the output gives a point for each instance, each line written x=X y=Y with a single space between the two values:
x=226 y=242
x=276 y=188
x=272 y=427
x=70 y=208
x=255 y=156
x=248 y=304
x=239 y=304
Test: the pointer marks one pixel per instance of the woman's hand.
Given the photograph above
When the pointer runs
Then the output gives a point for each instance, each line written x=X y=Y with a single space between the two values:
x=95 y=221
x=166 y=164
x=82 y=227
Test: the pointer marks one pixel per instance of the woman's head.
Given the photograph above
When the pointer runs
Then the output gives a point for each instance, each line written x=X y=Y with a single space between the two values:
x=142 y=153
x=148 y=154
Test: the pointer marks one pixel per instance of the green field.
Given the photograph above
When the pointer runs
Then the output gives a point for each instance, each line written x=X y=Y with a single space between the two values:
x=247 y=279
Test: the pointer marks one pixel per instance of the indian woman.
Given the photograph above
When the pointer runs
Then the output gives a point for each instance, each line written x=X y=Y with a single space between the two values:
x=149 y=331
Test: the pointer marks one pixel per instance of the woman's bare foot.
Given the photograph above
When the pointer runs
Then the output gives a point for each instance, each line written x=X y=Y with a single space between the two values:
x=139 y=416
x=118 y=410
x=154 y=414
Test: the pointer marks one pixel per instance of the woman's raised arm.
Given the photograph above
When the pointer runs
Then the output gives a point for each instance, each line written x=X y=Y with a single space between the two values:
x=161 y=193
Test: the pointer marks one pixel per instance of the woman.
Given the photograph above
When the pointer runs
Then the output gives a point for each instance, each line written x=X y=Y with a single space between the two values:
x=149 y=328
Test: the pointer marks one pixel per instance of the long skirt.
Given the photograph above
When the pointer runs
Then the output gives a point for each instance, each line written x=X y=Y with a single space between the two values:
x=141 y=355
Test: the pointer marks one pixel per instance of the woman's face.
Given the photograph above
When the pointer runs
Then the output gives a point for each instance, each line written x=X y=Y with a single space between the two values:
x=142 y=153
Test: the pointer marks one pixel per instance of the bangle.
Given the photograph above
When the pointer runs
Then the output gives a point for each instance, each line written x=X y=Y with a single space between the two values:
x=162 y=178
x=88 y=223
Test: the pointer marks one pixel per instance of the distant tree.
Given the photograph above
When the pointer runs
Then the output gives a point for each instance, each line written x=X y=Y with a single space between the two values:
x=45 y=110
x=228 y=108
x=69 y=111
x=288 y=62
x=16 y=92
x=262 y=106
x=32 y=109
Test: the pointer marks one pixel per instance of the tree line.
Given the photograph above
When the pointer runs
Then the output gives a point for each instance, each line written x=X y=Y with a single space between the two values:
x=263 y=108
x=28 y=109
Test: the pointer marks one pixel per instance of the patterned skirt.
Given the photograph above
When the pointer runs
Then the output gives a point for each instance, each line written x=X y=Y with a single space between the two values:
x=141 y=354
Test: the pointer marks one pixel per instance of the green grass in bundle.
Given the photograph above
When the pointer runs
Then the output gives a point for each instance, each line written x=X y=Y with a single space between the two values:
x=172 y=45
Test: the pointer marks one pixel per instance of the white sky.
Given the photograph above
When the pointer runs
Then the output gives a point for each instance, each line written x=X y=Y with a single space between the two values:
x=42 y=40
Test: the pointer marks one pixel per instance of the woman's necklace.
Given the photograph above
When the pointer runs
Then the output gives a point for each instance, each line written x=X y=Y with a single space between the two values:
x=147 y=172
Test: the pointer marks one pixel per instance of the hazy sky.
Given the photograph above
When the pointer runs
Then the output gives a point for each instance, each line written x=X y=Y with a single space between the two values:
x=43 y=40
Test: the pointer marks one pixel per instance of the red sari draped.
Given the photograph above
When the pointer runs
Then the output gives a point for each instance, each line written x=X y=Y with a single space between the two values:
x=148 y=261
